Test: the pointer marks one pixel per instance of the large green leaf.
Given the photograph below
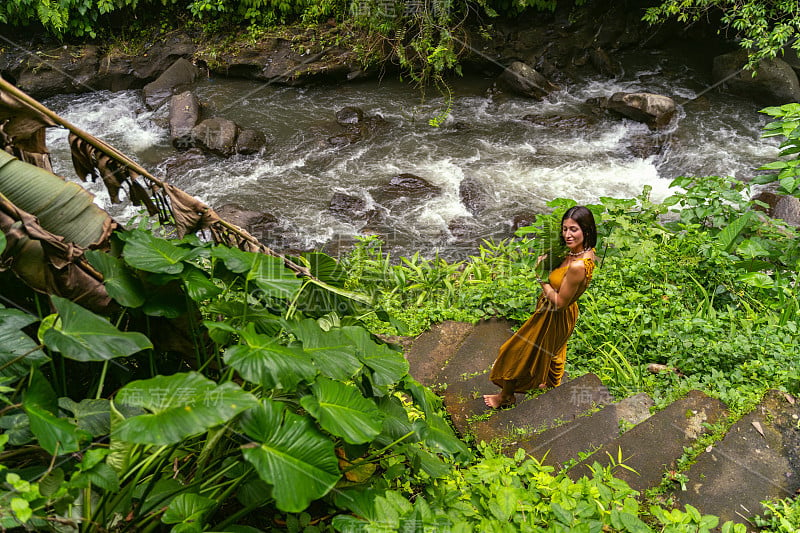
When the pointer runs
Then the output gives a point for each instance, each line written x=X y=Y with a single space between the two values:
x=727 y=237
x=290 y=454
x=93 y=416
x=180 y=405
x=190 y=509
x=272 y=277
x=56 y=435
x=343 y=411
x=18 y=352
x=85 y=336
x=235 y=260
x=62 y=207
x=389 y=366
x=198 y=285
x=264 y=361
x=333 y=351
x=151 y=254
x=119 y=281
x=439 y=436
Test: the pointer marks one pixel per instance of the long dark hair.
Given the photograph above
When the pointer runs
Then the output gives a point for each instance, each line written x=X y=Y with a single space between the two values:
x=585 y=220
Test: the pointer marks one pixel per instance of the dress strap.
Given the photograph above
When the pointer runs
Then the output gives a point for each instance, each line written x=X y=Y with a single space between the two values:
x=588 y=263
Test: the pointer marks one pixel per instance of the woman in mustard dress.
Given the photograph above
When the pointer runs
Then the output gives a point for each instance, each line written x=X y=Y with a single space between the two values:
x=534 y=356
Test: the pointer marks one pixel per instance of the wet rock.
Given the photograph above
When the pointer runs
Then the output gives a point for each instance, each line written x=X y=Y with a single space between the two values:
x=263 y=226
x=66 y=69
x=184 y=162
x=522 y=220
x=242 y=217
x=250 y=142
x=177 y=76
x=362 y=128
x=184 y=112
x=654 y=110
x=775 y=81
x=217 y=135
x=524 y=80
x=350 y=208
x=349 y=115
x=120 y=70
x=463 y=228
x=603 y=63
x=408 y=185
x=475 y=195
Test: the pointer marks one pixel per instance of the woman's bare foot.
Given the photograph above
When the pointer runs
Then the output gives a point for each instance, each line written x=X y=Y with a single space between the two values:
x=497 y=401
x=542 y=386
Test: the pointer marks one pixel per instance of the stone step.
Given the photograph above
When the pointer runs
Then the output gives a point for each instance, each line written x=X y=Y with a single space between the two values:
x=429 y=352
x=553 y=408
x=467 y=371
x=559 y=445
x=749 y=465
x=652 y=447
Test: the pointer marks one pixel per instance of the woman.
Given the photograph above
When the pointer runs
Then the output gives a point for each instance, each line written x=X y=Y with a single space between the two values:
x=534 y=356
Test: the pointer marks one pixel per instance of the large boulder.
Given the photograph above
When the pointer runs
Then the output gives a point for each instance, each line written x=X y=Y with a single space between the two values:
x=179 y=75
x=184 y=113
x=475 y=196
x=787 y=208
x=216 y=135
x=524 y=80
x=775 y=81
x=250 y=142
x=350 y=208
x=66 y=69
x=654 y=110
x=408 y=185
x=349 y=115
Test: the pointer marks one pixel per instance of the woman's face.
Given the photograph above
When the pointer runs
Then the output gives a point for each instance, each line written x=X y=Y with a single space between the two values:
x=573 y=234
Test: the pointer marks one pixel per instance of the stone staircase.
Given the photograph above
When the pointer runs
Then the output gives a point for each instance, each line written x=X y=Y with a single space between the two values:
x=579 y=423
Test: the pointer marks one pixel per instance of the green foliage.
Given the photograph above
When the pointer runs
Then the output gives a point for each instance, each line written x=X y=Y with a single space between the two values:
x=763 y=27
x=781 y=516
x=786 y=124
x=290 y=401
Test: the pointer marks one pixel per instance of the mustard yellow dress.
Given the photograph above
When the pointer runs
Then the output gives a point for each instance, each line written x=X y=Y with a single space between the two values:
x=536 y=353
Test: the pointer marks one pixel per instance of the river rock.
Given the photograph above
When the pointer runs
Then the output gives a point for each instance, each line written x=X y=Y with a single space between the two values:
x=475 y=195
x=787 y=208
x=65 y=69
x=522 y=220
x=350 y=208
x=603 y=63
x=408 y=185
x=524 y=80
x=654 y=110
x=181 y=163
x=349 y=115
x=184 y=112
x=250 y=142
x=775 y=81
x=121 y=69
x=180 y=74
x=217 y=135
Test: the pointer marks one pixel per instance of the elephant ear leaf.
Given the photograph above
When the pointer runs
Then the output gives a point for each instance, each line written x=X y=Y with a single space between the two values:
x=342 y=410
x=290 y=454
x=178 y=406
x=85 y=336
x=18 y=352
x=56 y=435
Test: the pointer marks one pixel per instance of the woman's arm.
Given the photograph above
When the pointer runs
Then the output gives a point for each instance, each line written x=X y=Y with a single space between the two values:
x=573 y=279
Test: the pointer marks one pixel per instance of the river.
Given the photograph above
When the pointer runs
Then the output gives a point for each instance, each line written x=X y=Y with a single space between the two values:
x=519 y=164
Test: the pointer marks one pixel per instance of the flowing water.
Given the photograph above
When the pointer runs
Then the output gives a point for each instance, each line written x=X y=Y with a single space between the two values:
x=519 y=164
